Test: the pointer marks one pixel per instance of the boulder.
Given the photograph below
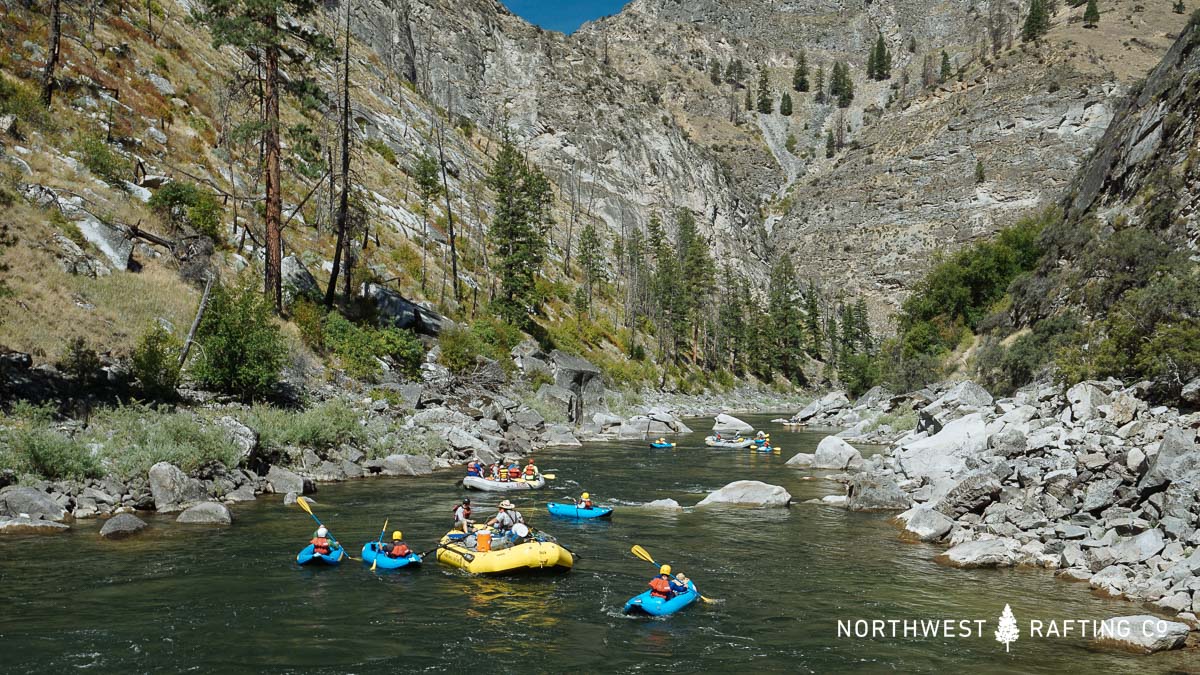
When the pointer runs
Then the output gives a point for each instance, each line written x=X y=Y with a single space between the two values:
x=16 y=500
x=833 y=401
x=1140 y=548
x=748 y=493
x=965 y=393
x=1191 y=392
x=634 y=428
x=971 y=493
x=172 y=489
x=1085 y=399
x=121 y=526
x=244 y=493
x=981 y=553
x=727 y=424
x=834 y=453
x=582 y=378
x=664 y=504
x=945 y=453
x=1142 y=634
x=802 y=460
x=1177 y=454
x=297 y=281
x=871 y=492
x=245 y=438
x=282 y=480
x=924 y=524
x=26 y=525
x=559 y=435
x=528 y=418
x=206 y=513
x=558 y=398
x=402 y=465
x=392 y=309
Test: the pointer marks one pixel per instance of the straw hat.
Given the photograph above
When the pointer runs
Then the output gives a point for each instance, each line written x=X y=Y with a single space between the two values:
x=507 y=505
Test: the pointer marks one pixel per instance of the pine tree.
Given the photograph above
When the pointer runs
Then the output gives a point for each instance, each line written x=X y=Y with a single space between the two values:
x=872 y=55
x=829 y=144
x=883 y=60
x=765 y=103
x=785 y=105
x=788 y=327
x=263 y=29
x=979 y=175
x=591 y=261
x=425 y=174
x=714 y=71
x=1179 y=7
x=800 y=77
x=518 y=231
x=730 y=73
x=1091 y=15
x=1037 y=23
x=820 y=84
x=946 y=68
x=749 y=99
x=812 y=322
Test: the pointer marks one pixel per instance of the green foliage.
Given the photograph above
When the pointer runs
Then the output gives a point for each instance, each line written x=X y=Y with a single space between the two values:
x=183 y=203
x=308 y=317
x=30 y=446
x=20 y=100
x=1004 y=369
x=496 y=339
x=80 y=362
x=830 y=145
x=136 y=437
x=980 y=176
x=820 y=85
x=156 y=362
x=591 y=261
x=460 y=347
x=785 y=105
x=1037 y=22
x=715 y=71
x=539 y=377
x=841 y=86
x=425 y=173
x=946 y=70
x=241 y=349
x=105 y=163
x=765 y=102
x=320 y=427
x=381 y=148
x=518 y=231
x=879 y=61
x=800 y=76
x=1091 y=15
x=306 y=154
x=791 y=143
x=359 y=348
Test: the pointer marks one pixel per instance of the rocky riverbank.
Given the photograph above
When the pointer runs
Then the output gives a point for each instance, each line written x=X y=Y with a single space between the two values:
x=1093 y=481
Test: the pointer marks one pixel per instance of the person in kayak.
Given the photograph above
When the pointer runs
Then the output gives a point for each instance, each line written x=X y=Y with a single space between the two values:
x=531 y=470
x=660 y=586
x=320 y=541
x=584 y=501
x=462 y=516
x=505 y=519
x=397 y=549
x=679 y=584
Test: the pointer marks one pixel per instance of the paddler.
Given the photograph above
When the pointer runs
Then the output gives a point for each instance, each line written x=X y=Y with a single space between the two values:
x=584 y=501
x=462 y=516
x=531 y=470
x=660 y=586
x=397 y=549
x=514 y=471
x=320 y=541
x=475 y=469
x=505 y=518
x=679 y=584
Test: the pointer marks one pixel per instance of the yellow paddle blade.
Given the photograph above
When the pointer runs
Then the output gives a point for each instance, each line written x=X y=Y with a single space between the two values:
x=642 y=553
x=304 y=505
x=549 y=476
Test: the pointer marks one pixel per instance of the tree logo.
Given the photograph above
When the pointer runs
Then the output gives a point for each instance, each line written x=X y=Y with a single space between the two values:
x=1007 y=631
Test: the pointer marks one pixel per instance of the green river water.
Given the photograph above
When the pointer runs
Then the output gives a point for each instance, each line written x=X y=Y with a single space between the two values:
x=182 y=598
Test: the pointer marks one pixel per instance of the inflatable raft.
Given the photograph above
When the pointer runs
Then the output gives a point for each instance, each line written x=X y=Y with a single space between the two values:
x=538 y=552
x=521 y=484
x=573 y=511
x=308 y=555
x=649 y=605
x=386 y=562
x=717 y=442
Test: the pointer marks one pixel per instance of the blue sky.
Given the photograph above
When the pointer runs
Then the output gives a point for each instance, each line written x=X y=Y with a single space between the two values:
x=563 y=15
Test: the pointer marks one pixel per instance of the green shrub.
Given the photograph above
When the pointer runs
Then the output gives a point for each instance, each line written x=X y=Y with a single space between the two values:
x=137 y=437
x=326 y=425
x=539 y=377
x=105 y=163
x=308 y=317
x=182 y=203
x=18 y=99
x=156 y=362
x=358 y=347
x=44 y=452
x=383 y=150
x=80 y=362
x=460 y=347
x=241 y=348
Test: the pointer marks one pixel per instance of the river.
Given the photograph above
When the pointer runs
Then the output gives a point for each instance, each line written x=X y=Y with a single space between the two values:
x=233 y=600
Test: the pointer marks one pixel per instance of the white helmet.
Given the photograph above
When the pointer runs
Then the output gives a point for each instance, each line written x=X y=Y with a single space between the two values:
x=321 y=531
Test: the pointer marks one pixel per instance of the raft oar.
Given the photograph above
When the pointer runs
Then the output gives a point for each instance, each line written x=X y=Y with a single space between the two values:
x=645 y=555
x=379 y=545
x=308 y=509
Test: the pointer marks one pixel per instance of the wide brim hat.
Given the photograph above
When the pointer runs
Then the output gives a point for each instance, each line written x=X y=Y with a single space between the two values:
x=507 y=505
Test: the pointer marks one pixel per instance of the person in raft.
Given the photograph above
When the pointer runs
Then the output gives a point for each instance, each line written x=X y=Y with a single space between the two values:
x=397 y=549
x=321 y=542
x=584 y=501
x=660 y=586
x=495 y=471
x=462 y=516
x=506 y=518
x=679 y=584
x=475 y=469
x=531 y=470
x=514 y=471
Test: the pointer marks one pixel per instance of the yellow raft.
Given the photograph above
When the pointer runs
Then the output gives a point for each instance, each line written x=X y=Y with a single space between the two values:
x=532 y=555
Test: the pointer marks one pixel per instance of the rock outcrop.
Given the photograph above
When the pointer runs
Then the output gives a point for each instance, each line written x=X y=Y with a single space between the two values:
x=748 y=493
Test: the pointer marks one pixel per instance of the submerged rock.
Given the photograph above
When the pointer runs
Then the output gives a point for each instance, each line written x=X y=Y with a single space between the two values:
x=749 y=493
x=121 y=526
x=206 y=513
x=27 y=525
x=664 y=504
x=982 y=553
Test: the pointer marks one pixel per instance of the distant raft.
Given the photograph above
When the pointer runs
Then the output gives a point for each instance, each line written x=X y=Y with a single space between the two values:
x=718 y=442
x=573 y=511
x=647 y=604
x=656 y=444
x=309 y=555
x=519 y=485
x=383 y=561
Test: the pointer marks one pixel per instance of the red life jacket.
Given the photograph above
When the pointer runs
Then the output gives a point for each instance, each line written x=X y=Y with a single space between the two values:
x=466 y=512
x=514 y=473
x=320 y=545
x=530 y=470
x=399 y=550
x=660 y=588
x=585 y=504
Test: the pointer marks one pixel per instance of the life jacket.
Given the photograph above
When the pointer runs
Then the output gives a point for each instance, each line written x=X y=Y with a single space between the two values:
x=320 y=545
x=398 y=550
x=514 y=473
x=585 y=503
x=465 y=515
x=530 y=471
x=474 y=470
x=660 y=588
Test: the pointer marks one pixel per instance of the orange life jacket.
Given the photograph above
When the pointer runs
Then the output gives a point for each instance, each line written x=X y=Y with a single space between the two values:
x=514 y=473
x=399 y=550
x=585 y=504
x=660 y=588
x=320 y=545
x=530 y=470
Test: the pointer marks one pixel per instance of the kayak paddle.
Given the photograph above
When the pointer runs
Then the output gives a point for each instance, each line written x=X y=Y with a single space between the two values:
x=379 y=545
x=308 y=509
x=645 y=555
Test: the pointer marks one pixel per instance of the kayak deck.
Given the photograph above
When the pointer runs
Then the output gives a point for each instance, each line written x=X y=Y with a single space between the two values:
x=309 y=555
x=573 y=511
x=370 y=554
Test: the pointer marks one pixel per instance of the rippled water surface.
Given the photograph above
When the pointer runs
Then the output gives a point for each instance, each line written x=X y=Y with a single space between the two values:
x=233 y=600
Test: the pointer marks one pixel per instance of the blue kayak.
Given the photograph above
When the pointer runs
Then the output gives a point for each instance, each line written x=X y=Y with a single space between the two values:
x=308 y=555
x=662 y=445
x=386 y=562
x=572 y=511
x=652 y=606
